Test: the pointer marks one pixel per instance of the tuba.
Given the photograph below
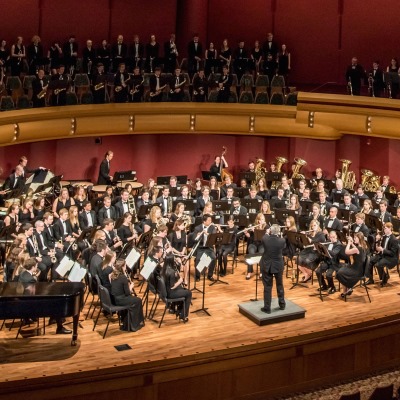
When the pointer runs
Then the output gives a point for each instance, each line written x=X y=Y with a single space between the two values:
x=348 y=177
x=366 y=174
x=279 y=162
x=259 y=170
x=299 y=164
x=373 y=184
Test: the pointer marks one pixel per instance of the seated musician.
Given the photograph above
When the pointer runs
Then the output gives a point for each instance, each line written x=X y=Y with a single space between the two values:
x=185 y=194
x=251 y=166
x=320 y=187
x=59 y=84
x=122 y=206
x=157 y=86
x=243 y=184
x=107 y=267
x=386 y=257
x=87 y=217
x=80 y=197
x=13 y=261
x=287 y=189
x=155 y=219
x=228 y=183
x=122 y=289
x=347 y=204
x=290 y=226
x=127 y=231
x=165 y=202
x=28 y=275
x=12 y=216
x=383 y=214
x=208 y=209
x=121 y=85
x=96 y=261
x=200 y=87
x=309 y=259
x=332 y=221
x=279 y=199
x=112 y=239
x=397 y=201
x=324 y=204
x=61 y=202
x=329 y=266
x=178 y=212
x=175 y=287
x=176 y=85
x=214 y=186
x=265 y=208
x=338 y=190
x=203 y=199
x=385 y=184
x=367 y=207
x=39 y=207
x=26 y=212
x=349 y=275
x=359 y=225
x=237 y=208
x=379 y=196
x=216 y=168
x=201 y=233
x=63 y=231
x=315 y=215
x=300 y=190
x=306 y=194
x=227 y=248
x=107 y=211
x=144 y=199
x=262 y=189
x=253 y=194
x=178 y=240
x=358 y=195
x=136 y=86
x=224 y=85
x=254 y=246
x=39 y=88
x=294 y=204
x=99 y=84
x=15 y=181
x=229 y=195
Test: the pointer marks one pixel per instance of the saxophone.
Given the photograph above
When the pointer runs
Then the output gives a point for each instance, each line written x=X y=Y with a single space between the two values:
x=43 y=92
x=178 y=86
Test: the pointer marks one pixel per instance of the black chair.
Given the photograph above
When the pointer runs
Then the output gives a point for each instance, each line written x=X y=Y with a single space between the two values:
x=363 y=279
x=108 y=308
x=162 y=293
x=93 y=290
x=382 y=393
x=352 y=396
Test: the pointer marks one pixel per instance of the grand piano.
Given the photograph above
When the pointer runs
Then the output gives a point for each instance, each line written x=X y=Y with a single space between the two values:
x=42 y=299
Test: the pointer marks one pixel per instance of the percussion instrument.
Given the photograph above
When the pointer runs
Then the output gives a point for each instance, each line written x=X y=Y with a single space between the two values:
x=83 y=183
x=99 y=190
x=64 y=183
x=135 y=186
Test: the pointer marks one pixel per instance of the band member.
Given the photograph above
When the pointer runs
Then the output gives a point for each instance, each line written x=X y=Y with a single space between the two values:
x=237 y=208
x=284 y=63
x=137 y=53
x=347 y=204
x=331 y=221
x=107 y=211
x=210 y=56
x=39 y=89
x=89 y=56
x=387 y=254
x=393 y=86
x=385 y=184
x=203 y=199
x=178 y=241
x=104 y=171
x=121 y=86
x=216 y=168
x=355 y=74
x=200 y=87
x=170 y=54
x=201 y=233
x=254 y=246
x=225 y=55
x=55 y=56
x=270 y=46
x=176 y=85
x=103 y=54
x=99 y=84
x=119 y=51
x=59 y=85
x=241 y=58
x=4 y=59
x=152 y=54
x=256 y=56
x=270 y=66
x=70 y=51
x=87 y=218
x=18 y=56
x=165 y=201
x=330 y=265
x=224 y=85
x=15 y=181
x=112 y=240
x=157 y=86
x=324 y=204
x=136 y=86
x=383 y=214
x=195 y=52
x=127 y=232
x=144 y=199
x=272 y=265
x=359 y=225
x=376 y=82
x=35 y=55
x=228 y=182
x=122 y=205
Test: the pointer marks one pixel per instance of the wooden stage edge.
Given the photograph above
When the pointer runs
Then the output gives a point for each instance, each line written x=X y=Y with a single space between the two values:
x=225 y=356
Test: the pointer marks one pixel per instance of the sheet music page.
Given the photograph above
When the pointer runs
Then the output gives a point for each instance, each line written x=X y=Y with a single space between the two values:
x=65 y=265
x=77 y=273
x=148 y=268
x=132 y=257
x=253 y=260
x=203 y=263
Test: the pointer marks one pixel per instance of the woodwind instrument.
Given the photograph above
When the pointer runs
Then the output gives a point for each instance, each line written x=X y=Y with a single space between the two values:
x=99 y=86
x=59 y=90
x=221 y=84
x=158 y=91
x=43 y=92
x=249 y=228
x=371 y=85
x=151 y=64
x=137 y=88
x=178 y=86
x=123 y=83
x=350 y=87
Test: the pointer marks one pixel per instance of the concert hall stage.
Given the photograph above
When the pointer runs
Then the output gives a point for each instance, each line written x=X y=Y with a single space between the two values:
x=222 y=356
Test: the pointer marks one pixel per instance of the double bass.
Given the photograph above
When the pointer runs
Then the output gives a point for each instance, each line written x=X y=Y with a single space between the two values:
x=223 y=171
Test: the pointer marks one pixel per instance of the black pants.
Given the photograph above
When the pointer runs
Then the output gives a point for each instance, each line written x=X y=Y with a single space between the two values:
x=223 y=256
x=267 y=279
x=181 y=292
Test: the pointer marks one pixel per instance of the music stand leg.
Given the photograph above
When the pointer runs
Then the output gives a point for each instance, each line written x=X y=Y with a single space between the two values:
x=297 y=283
x=257 y=276
x=194 y=288
x=218 y=280
x=203 y=299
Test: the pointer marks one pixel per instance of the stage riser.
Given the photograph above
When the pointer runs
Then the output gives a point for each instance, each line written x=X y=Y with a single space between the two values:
x=247 y=372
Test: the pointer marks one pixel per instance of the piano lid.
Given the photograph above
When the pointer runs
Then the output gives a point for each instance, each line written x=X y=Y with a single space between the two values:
x=42 y=289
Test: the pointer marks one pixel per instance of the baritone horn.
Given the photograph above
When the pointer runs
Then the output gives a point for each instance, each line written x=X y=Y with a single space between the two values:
x=299 y=164
x=348 y=177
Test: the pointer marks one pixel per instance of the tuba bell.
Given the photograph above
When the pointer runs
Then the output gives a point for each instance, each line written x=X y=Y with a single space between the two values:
x=259 y=170
x=279 y=162
x=348 y=177
x=366 y=174
x=299 y=164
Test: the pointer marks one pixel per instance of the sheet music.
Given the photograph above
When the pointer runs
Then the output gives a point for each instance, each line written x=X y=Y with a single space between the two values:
x=132 y=257
x=77 y=273
x=148 y=268
x=203 y=263
x=65 y=265
x=253 y=260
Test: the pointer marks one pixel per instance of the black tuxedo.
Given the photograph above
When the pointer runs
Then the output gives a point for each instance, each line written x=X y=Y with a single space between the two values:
x=69 y=59
x=103 y=214
x=49 y=235
x=26 y=277
x=388 y=258
x=37 y=87
x=201 y=204
x=224 y=91
x=34 y=251
x=201 y=249
x=355 y=74
x=325 y=207
x=119 y=208
x=89 y=56
x=160 y=200
x=360 y=228
x=386 y=217
x=332 y=224
x=99 y=95
x=177 y=82
x=121 y=87
x=84 y=222
x=193 y=52
x=118 y=54
x=241 y=61
x=136 y=89
x=224 y=189
x=271 y=265
x=136 y=52
x=35 y=56
x=200 y=88
x=270 y=47
x=104 y=173
x=329 y=265
x=153 y=88
x=59 y=82
x=152 y=53
x=242 y=211
x=58 y=230
x=110 y=239
x=350 y=207
x=170 y=56
x=14 y=183
x=378 y=82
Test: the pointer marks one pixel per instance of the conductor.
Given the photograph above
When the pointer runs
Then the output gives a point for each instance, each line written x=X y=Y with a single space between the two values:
x=272 y=265
x=104 y=171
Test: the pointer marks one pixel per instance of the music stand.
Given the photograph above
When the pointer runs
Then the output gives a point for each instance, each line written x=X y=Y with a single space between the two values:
x=214 y=194
x=190 y=204
x=240 y=192
x=145 y=239
x=281 y=215
x=344 y=215
x=252 y=259
x=273 y=176
x=217 y=240
x=120 y=176
x=277 y=204
x=373 y=222
x=299 y=241
x=240 y=220
x=338 y=198
x=252 y=205
x=324 y=253
x=144 y=210
x=306 y=207
x=221 y=206
x=182 y=179
x=204 y=262
x=248 y=176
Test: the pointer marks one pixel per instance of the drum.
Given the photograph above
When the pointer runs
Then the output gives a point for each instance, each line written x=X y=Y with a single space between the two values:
x=135 y=186
x=83 y=183
x=64 y=183
x=99 y=190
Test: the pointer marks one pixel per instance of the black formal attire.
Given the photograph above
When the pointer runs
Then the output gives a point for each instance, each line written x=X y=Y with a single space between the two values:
x=104 y=173
x=329 y=265
x=121 y=207
x=121 y=87
x=136 y=89
x=309 y=257
x=165 y=204
x=177 y=82
x=378 y=83
x=177 y=243
x=325 y=207
x=55 y=57
x=226 y=54
x=270 y=47
x=253 y=247
x=103 y=274
x=16 y=63
x=171 y=277
x=202 y=248
x=283 y=64
x=156 y=85
x=194 y=50
x=24 y=218
x=61 y=230
x=152 y=54
x=349 y=275
x=257 y=55
x=88 y=60
x=394 y=86
x=332 y=224
x=270 y=68
x=104 y=56
x=272 y=265
x=355 y=74
x=224 y=189
x=14 y=182
x=37 y=87
x=201 y=203
x=225 y=90
x=95 y=266
x=351 y=207
x=388 y=258
x=215 y=170
x=60 y=205
x=106 y=212
x=119 y=52
x=59 y=82
x=240 y=63
x=170 y=55
x=241 y=210
x=69 y=59
x=211 y=62
x=226 y=249
x=360 y=228
x=84 y=219
x=137 y=55
x=45 y=264
x=200 y=89
x=384 y=217
x=133 y=319
x=35 y=57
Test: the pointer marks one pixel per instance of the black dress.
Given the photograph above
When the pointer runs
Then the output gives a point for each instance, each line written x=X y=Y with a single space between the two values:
x=104 y=277
x=210 y=62
x=25 y=217
x=349 y=275
x=132 y=320
x=177 y=244
x=309 y=257
x=171 y=277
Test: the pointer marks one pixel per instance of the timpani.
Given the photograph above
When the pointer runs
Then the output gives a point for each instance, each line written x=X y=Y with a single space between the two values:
x=99 y=190
x=136 y=186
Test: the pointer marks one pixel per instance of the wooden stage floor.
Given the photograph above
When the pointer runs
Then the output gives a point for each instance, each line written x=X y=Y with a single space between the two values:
x=36 y=360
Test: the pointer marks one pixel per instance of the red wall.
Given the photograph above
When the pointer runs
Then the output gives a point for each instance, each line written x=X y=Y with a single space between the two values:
x=322 y=36
x=156 y=155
